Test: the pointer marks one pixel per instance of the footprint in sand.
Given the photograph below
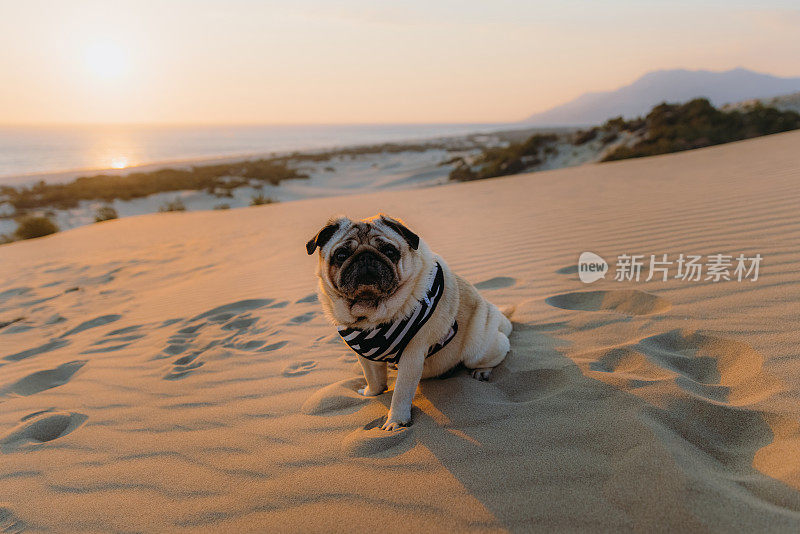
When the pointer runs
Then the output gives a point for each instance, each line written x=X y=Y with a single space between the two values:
x=308 y=299
x=9 y=523
x=532 y=384
x=725 y=441
x=93 y=323
x=371 y=440
x=626 y=301
x=111 y=343
x=703 y=365
x=273 y=346
x=126 y=330
x=4 y=324
x=299 y=368
x=232 y=326
x=43 y=380
x=304 y=318
x=336 y=397
x=14 y=292
x=626 y=366
x=569 y=269
x=498 y=282
x=242 y=322
x=184 y=366
x=228 y=311
x=734 y=445
x=40 y=427
x=711 y=367
x=41 y=349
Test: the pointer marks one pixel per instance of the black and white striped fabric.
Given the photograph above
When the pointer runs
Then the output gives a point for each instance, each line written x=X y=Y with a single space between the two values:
x=386 y=342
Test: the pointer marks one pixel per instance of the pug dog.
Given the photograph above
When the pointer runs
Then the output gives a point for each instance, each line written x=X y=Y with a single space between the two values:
x=394 y=301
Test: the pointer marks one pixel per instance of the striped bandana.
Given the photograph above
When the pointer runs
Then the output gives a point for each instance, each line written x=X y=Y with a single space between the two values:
x=386 y=342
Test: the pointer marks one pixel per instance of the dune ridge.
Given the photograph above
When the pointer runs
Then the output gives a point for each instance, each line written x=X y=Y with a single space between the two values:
x=179 y=366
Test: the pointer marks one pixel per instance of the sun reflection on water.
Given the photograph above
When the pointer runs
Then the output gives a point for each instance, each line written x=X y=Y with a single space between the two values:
x=119 y=162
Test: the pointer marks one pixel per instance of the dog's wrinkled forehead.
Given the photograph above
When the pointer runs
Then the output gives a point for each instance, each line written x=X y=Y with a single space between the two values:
x=371 y=231
x=365 y=232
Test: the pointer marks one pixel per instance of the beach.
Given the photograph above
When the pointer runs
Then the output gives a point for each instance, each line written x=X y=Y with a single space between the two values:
x=174 y=371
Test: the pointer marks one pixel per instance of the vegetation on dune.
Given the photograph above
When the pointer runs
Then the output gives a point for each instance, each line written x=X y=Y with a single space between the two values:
x=511 y=159
x=104 y=187
x=453 y=145
x=696 y=124
x=31 y=227
x=173 y=205
x=260 y=200
x=667 y=128
x=105 y=213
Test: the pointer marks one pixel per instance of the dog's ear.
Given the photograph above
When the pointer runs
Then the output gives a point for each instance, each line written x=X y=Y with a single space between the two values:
x=323 y=236
x=411 y=238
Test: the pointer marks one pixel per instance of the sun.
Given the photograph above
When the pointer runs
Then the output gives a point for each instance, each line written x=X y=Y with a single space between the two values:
x=106 y=60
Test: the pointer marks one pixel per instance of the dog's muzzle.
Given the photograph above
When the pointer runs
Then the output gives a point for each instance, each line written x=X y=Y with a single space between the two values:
x=367 y=277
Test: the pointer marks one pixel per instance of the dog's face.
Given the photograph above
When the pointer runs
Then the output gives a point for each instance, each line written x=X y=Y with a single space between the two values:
x=364 y=262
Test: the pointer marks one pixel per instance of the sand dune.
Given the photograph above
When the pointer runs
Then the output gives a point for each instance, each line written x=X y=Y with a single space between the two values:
x=174 y=372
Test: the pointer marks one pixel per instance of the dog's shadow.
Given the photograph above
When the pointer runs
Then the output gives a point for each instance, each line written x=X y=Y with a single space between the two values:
x=542 y=445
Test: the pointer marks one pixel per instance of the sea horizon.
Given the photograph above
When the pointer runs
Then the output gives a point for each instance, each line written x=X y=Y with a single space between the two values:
x=29 y=153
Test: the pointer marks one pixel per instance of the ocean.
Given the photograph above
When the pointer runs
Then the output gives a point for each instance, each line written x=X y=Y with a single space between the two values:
x=28 y=151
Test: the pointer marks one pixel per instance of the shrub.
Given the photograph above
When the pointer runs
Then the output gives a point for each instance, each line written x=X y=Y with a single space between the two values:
x=105 y=213
x=107 y=188
x=174 y=205
x=222 y=207
x=31 y=227
x=462 y=173
x=696 y=124
x=260 y=200
x=584 y=136
x=512 y=159
x=609 y=137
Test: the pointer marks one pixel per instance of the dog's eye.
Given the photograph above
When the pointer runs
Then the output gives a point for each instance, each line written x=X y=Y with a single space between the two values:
x=390 y=251
x=341 y=255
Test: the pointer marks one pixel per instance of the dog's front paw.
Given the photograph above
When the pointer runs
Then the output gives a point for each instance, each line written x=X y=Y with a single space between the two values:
x=367 y=392
x=396 y=423
x=482 y=373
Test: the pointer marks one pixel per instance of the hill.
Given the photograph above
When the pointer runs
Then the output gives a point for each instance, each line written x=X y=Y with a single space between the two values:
x=677 y=85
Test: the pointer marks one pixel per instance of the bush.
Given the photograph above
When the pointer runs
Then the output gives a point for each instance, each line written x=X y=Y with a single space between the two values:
x=584 y=136
x=696 y=124
x=31 y=227
x=175 y=205
x=107 y=188
x=105 y=213
x=222 y=207
x=260 y=200
x=512 y=159
x=462 y=173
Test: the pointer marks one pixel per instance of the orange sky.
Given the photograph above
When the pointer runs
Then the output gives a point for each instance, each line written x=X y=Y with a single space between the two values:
x=249 y=61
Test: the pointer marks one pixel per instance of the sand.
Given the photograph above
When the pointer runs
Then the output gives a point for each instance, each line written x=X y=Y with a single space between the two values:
x=174 y=372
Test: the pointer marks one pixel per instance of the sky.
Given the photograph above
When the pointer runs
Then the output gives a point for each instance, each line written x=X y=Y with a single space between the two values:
x=361 y=61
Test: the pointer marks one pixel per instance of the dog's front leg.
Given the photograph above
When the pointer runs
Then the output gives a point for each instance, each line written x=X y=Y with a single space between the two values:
x=375 y=373
x=409 y=373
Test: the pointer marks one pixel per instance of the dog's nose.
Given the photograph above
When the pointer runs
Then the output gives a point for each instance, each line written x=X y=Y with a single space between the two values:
x=368 y=267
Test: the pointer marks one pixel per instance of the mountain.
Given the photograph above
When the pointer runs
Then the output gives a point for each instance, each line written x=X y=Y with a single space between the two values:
x=660 y=86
